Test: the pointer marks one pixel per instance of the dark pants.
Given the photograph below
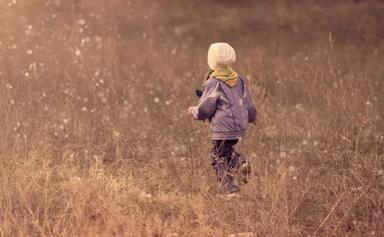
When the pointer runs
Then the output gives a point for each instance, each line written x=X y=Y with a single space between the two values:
x=225 y=160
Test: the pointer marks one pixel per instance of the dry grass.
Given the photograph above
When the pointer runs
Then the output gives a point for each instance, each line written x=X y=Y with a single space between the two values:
x=93 y=143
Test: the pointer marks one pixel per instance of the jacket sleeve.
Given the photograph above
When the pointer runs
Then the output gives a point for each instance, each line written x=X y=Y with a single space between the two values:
x=207 y=103
x=248 y=102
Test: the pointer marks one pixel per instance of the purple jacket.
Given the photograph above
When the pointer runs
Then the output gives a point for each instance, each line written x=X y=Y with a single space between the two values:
x=229 y=110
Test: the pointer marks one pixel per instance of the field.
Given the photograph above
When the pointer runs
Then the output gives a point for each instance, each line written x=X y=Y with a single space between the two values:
x=94 y=140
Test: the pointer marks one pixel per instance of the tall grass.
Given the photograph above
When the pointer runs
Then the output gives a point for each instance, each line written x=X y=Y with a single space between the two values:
x=94 y=142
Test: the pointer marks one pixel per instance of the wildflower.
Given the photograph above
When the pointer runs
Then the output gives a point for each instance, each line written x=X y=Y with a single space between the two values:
x=116 y=134
x=77 y=52
x=299 y=107
x=145 y=195
x=156 y=100
x=291 y=168
x=81 y=22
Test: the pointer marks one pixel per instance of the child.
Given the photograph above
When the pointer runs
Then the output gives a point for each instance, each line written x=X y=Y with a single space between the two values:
x=228 y=106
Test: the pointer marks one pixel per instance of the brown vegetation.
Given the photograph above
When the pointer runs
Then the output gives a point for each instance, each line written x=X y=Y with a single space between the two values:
x=93 y=142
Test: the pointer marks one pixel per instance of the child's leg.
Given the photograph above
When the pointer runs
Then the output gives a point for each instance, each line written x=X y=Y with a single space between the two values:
x=239 y=164
x=221 y=153
x=219 y=161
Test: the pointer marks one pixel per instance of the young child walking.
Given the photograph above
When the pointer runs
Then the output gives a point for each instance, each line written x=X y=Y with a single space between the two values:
x=228 y=106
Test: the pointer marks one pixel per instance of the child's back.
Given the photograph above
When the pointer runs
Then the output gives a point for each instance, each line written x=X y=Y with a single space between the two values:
x=230 y=109
x=227 y=104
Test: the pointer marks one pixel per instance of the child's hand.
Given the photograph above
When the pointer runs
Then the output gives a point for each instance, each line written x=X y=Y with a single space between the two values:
x=190 y=111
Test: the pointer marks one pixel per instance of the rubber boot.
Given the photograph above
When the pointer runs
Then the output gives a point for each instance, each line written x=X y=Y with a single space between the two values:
x=244 y=171
x=240 y=166
x=224 y=176
x=229 y=184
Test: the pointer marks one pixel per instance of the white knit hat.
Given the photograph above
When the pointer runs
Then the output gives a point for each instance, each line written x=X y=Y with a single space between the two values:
x=220 y=55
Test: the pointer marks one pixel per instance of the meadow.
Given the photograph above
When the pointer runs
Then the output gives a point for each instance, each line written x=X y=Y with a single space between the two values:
x=94 y=140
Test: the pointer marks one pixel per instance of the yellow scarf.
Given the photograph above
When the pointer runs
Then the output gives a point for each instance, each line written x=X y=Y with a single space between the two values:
x=226 y=75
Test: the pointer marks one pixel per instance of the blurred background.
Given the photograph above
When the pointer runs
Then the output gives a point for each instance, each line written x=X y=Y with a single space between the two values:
x=94 y=140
